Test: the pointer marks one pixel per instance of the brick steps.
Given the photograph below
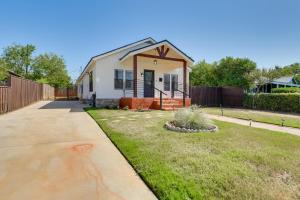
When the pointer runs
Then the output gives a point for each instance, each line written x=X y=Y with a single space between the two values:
x=168 y=104
x=152 y=103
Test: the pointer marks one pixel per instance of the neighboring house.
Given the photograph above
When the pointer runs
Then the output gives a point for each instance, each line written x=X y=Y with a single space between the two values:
x=286 y=81
x=136 y=75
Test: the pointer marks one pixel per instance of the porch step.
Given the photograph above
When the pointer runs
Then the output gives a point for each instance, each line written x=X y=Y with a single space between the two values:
x=168 y=104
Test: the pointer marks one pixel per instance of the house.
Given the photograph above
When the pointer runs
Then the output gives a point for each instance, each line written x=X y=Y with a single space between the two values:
x=285 y=81
x=144 y=74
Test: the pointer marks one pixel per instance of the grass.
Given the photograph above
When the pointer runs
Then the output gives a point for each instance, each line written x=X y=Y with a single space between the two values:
x=237 y=162
x=259 y=116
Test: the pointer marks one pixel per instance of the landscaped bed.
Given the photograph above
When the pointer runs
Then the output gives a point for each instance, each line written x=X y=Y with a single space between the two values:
x=259 y=116
x=236 y=162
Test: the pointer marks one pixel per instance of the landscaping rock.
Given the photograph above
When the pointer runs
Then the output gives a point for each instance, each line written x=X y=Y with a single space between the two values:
x=170 y=126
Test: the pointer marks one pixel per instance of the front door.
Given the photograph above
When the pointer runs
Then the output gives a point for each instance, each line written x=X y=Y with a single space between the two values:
x=148 y=83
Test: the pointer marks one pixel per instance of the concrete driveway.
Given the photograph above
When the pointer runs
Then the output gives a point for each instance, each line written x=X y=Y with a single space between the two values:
x=54 y=150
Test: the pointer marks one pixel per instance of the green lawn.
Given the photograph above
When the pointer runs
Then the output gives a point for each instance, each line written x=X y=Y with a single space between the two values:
x=259 y=116
x=237 y=162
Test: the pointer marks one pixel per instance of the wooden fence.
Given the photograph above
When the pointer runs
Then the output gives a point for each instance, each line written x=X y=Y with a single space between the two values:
x=21 y=92
x=48 y=92
x=66 y=93
x=216 y=96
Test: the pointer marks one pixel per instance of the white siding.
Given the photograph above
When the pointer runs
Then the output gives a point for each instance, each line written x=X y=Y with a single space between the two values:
x=104 y=74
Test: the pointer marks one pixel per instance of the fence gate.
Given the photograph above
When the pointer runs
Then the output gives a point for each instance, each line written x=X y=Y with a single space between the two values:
x=66 y=93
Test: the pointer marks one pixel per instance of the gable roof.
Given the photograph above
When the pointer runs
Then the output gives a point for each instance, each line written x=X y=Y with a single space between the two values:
x=125 y=47
x=153 y=46
x=286 y=80
x=150 y=39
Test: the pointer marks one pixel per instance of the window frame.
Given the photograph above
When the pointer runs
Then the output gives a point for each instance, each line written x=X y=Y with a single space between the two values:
x=91 y=81
x=125 y=80
x=176 y=86
x=122 y=78
x=169 y=82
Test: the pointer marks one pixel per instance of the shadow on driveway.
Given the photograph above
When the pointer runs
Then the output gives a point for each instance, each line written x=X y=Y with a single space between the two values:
x=74 y=106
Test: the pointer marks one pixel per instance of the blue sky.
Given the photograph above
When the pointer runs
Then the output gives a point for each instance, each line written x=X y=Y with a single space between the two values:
x=267 y=31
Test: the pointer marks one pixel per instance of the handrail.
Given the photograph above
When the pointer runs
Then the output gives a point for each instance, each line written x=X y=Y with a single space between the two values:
x=183 y=92
x=160 y=97
x=160 y=91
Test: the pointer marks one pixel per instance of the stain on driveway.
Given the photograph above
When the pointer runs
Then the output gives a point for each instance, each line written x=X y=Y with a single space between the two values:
x=54 y=150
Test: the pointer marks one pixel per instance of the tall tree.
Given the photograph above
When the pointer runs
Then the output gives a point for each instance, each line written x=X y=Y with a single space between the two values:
x=203 y=73
x=235 y=72
x=228 y=72
x=18 y=58
x=3 y=70
x=51 y=69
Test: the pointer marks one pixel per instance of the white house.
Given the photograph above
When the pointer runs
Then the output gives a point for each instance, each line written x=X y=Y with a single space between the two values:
x=137 y=75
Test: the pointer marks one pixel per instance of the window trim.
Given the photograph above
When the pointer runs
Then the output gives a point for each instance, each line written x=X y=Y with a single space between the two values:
x=125 y=79
x=174 y=75
x=119 y=79
x=169 y=75
x=91 y=81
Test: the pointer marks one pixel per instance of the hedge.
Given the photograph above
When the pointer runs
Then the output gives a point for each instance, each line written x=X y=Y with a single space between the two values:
x=285 y=102
x=286 y=90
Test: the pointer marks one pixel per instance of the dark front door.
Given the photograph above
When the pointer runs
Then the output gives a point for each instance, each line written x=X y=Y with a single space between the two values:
x=148 y=83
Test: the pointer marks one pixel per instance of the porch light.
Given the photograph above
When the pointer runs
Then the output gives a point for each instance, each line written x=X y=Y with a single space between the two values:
x=155 y=62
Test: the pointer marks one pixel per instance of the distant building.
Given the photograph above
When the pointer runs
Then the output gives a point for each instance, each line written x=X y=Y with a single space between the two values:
x=285 y=81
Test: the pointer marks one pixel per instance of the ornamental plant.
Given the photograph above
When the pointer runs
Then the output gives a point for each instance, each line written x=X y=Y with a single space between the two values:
x=191 y=118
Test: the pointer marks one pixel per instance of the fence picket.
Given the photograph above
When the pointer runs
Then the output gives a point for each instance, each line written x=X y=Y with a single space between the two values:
x=216 y=96
x=21 y=92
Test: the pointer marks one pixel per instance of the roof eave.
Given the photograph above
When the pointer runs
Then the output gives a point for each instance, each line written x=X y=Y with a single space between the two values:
x=111 y=52
x=149 y=47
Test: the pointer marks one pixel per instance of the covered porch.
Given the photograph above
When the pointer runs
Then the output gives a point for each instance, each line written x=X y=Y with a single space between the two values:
x=160 y=77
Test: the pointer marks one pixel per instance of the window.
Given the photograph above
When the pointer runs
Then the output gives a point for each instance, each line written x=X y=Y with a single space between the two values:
x=166 y=82
x=128 y=80
x=118 y=78
x=91 y=81
x=174 y=82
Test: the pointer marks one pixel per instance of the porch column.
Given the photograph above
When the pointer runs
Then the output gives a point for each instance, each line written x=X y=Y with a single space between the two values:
x=135 y=76
x=184 y=82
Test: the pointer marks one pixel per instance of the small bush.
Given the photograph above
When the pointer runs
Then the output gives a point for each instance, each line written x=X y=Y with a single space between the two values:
x=286 y=90
x=288 y=102
x=112 y=107
x=125 y=108
x=191 y=119
x=194 y=107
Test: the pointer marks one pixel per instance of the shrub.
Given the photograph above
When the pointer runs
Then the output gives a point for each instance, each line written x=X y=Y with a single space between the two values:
x=125 y=108
x=191 y=119
x=286 y=102
x=286 y=90
x=112 y=107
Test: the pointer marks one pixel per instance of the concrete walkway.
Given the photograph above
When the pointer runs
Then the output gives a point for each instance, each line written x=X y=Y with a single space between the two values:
x=293 y=131
x=54 y=150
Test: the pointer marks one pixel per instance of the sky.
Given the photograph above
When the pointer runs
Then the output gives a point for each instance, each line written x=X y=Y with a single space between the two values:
x=266 y=31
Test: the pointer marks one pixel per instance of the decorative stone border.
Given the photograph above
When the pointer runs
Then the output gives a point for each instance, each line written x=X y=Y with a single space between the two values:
x=171 y=127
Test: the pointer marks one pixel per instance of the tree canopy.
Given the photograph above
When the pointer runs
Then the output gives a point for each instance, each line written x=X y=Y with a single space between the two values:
x=18 y=58
x=289 y=70
x=50 y=69
x=3 y=70
x=45 y=68
x=241 y=72
x=227 y=72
